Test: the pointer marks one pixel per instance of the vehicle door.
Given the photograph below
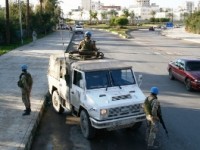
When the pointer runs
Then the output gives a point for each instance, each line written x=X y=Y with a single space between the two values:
x=175 y=69
x=63 y=85
x=179 y=70
x=77 y=89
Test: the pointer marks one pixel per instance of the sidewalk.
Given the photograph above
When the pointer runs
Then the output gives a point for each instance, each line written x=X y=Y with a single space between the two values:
x=17 y=131
x=180 y=33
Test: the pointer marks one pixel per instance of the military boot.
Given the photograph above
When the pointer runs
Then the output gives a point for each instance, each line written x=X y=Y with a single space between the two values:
x=26 y=112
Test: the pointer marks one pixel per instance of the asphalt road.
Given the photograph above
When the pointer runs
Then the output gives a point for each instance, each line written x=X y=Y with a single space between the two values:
x=148 y=53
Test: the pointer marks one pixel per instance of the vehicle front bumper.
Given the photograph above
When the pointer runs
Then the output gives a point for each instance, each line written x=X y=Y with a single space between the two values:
x=117 y=123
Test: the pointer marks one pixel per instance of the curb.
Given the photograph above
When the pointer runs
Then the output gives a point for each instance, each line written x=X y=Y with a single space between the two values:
x=28 y=139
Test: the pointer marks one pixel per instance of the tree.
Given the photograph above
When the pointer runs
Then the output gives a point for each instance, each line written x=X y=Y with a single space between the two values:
x=27 y=17
x=170 y=15
x=126 y=13
x=153 y=13
x=104 y=15
x=7 y=23
x=192 y=23
x=113 y=13
x=93 y=15
x=70 y=14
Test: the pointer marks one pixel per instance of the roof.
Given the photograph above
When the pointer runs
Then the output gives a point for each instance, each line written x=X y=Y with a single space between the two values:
x=94 y=64
x=99 y=64
x=189 y=59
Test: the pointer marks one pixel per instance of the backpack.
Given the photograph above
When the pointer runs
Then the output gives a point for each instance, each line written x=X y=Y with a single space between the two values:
x=147 y=105
x=29 y=80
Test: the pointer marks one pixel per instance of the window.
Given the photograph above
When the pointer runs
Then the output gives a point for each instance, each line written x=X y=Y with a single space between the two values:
x=77 y=78
x=108 y=78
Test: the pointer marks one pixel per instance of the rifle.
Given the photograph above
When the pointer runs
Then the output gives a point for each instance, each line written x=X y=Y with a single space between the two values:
x=162 y=121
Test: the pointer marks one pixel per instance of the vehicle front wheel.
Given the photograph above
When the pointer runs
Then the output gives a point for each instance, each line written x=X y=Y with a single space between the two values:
x=171 y=76
x=56 y=102
x=188 y=85
x=86 y=127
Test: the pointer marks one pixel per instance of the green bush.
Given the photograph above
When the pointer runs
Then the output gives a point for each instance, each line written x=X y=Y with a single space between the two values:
x=192 y=23
x=121 y=21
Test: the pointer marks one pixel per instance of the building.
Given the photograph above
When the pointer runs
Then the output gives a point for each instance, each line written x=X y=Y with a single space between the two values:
x=143 y=9
x=86 y=4
x=189 y=6
x=141 y=3
x=198 y=6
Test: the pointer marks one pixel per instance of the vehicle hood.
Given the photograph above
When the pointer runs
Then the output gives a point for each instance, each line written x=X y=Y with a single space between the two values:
x=195 y=74
x=127 y=95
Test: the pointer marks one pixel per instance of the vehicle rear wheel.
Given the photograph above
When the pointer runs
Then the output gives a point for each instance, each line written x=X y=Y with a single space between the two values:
x=171 y=76
x=188 y=85
x=56 y=101
x=86 y=127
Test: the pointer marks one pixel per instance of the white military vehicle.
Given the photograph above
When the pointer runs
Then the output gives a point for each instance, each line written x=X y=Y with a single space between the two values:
x=104 y=93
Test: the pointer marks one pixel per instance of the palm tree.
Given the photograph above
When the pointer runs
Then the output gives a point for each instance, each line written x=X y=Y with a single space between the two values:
x=132 y=16
x=41 y=2
x=7 y=22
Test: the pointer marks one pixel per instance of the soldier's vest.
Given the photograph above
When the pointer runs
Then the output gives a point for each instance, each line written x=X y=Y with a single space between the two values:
x=148 y=104
x=29 y=79
x=87 y=45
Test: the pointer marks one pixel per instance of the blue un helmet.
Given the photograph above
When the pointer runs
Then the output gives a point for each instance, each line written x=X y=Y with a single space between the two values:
x=88 y=34
x=24 y=67
x=154 y=90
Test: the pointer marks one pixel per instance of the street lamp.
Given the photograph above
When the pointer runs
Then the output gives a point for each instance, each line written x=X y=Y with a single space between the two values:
x=20 y=21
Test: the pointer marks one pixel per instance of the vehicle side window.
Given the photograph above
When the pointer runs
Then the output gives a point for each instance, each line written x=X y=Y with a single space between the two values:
x=177 y=63
x=182 y=65
x=77 y=78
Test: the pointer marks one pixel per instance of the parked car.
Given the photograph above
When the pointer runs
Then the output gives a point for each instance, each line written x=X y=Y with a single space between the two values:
x=151 y=28
x=187 y=71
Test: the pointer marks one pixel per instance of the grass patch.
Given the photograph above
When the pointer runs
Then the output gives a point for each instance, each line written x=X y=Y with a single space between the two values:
x=6 y=48
x=120 y=30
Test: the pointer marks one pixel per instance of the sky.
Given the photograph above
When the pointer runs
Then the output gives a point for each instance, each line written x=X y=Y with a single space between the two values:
x=67 y=5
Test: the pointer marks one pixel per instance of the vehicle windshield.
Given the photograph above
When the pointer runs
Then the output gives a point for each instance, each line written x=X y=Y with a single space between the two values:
x=109 y=78
x=193 y=66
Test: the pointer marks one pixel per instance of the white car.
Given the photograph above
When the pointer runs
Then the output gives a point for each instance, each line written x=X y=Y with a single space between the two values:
x=78 y=29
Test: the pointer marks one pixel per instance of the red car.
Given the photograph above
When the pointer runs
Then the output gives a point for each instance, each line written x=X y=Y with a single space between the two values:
x=187 y=71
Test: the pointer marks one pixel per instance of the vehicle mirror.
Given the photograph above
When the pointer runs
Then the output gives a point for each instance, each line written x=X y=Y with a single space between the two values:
x=140 y=80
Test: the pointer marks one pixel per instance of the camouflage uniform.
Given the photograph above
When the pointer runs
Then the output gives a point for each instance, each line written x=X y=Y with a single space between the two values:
x=87 y=45
x=26 y=90
x=151 y=107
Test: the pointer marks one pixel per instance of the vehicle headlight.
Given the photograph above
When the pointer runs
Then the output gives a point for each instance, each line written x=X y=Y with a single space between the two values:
x=198 y=81
x=104 y=113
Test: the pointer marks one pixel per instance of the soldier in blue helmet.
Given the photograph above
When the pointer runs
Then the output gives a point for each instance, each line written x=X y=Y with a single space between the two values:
x=25 y=83
x=151 y=108
x=87 y=44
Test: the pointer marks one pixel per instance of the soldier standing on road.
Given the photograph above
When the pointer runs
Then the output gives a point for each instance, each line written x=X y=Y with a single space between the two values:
x=25 y=84
x=151 y=108
x=34 y=36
